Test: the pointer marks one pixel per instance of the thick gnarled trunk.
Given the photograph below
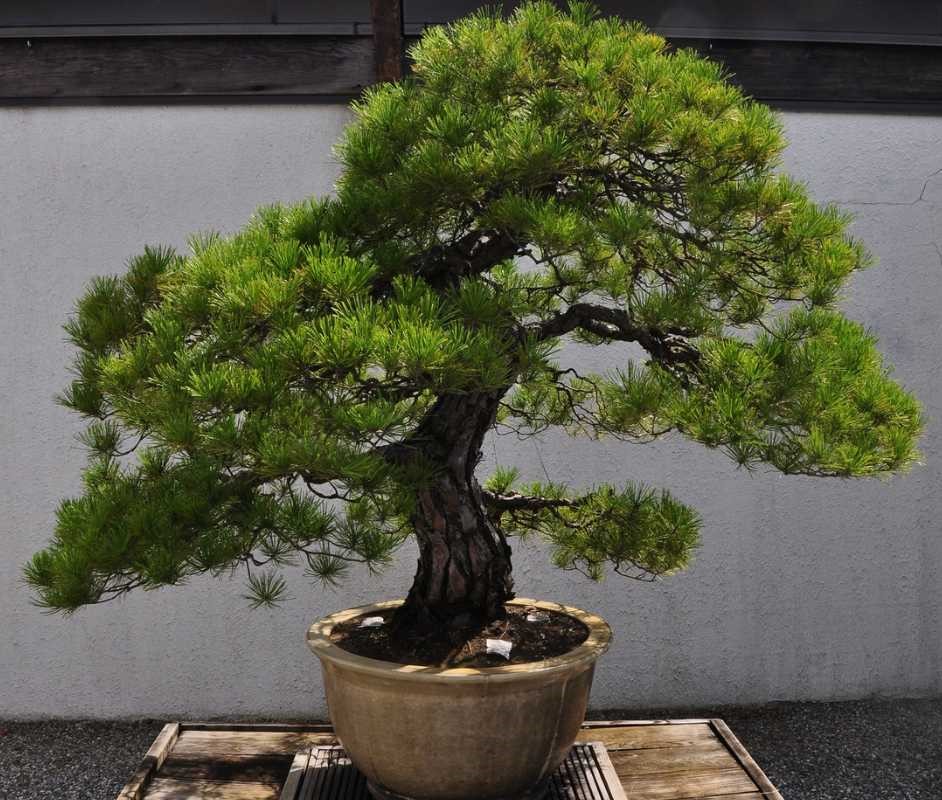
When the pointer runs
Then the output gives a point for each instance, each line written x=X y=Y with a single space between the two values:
x=463 y=576
x=464 y=572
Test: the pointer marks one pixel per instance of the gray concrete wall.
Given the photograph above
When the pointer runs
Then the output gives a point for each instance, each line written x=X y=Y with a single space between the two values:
x=803 y=589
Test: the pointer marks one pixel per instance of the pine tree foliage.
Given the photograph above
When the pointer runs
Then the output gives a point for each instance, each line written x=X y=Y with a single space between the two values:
x=555 y=175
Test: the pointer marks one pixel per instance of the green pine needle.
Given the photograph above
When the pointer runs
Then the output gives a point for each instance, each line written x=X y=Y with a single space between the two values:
x=266 y=590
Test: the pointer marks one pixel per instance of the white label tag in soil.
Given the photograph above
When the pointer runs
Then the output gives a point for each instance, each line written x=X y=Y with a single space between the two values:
x=499 y=647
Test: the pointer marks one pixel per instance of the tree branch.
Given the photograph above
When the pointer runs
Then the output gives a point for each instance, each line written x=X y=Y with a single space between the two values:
x=667 y=346
x=472 y=254
x=521 y=502
x=443 y=265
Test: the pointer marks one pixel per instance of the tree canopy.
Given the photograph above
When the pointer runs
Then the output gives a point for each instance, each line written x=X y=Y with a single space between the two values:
x=555 y=175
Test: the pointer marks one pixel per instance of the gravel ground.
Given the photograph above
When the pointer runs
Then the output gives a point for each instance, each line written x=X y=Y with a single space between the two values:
x=811 y=751
x=70 y=760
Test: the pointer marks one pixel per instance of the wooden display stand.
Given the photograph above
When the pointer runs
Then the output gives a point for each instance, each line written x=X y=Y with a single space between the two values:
x=691 y=759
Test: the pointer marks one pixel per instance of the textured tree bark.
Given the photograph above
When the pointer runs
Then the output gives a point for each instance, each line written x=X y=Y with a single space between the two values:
x=463 y=576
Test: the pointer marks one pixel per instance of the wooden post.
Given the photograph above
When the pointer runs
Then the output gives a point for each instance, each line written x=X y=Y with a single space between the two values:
x=387 y=38
x=152 y=762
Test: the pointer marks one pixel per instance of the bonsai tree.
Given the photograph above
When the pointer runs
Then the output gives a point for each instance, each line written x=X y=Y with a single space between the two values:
x=317 y=387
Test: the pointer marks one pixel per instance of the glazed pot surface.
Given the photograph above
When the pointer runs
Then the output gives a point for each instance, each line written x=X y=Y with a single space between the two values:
x=427 y=733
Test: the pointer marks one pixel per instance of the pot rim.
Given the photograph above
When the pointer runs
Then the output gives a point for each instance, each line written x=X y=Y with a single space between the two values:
x=583 y=656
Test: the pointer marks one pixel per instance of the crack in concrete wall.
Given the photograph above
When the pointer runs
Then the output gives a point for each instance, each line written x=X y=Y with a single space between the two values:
x=921 y=198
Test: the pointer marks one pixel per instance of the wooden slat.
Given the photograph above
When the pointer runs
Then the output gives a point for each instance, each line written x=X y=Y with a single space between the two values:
x=638 y=723
x=330 y=770
x=295 y=775
x=746 y=760
x=586 y=774
x=211 y=744
x=606 y=771
x=779 y=72
x=256 y=727
x=184 y=65
x=829 y=72
x=834 y=73
x=642 y=736
x=697 y=757
x=228 y=767
x=170 y=789
x=687 y=785
x=153 y=760
x=737 y=796
x=288 y=737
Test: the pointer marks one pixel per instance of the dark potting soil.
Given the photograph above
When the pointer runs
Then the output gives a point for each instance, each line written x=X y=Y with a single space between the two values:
x=534 y=634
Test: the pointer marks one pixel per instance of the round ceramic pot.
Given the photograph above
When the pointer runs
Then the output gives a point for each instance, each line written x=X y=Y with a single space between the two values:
x=427 y=733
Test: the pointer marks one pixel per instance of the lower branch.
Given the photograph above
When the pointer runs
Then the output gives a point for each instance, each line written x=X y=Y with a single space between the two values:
x=513 y=501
